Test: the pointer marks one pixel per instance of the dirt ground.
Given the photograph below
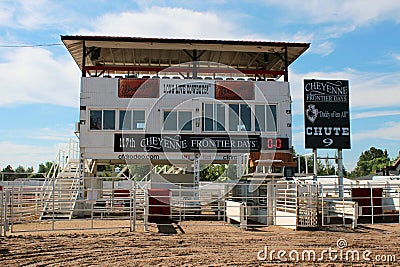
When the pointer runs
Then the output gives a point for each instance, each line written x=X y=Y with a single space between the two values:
x=201 y=244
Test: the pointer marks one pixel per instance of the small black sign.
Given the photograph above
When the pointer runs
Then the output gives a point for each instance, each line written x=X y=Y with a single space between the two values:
x=326 y=114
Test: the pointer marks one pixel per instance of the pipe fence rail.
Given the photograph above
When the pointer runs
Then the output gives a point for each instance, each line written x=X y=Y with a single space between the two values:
x=83 y=204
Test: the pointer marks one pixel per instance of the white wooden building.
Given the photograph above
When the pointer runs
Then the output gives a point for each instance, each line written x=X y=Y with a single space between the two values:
x=170 y=100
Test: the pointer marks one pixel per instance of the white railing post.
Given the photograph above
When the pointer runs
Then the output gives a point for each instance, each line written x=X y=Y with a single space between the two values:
x=52 y=193
x=1 y=209
x=7 y=201
x=372 y=203
x=355 y=218
x=133 y=225
x=146 y=210
x=243 y=216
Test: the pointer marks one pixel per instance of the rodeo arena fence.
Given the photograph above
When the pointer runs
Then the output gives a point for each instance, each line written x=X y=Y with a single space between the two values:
x=51 y=204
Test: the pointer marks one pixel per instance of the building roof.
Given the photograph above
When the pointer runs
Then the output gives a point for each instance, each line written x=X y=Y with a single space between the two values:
x=149 y=55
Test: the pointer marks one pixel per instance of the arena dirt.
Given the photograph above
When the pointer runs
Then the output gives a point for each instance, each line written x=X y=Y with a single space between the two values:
x=202 y=244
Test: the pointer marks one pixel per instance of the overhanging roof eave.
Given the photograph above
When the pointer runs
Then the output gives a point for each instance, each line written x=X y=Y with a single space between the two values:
x=75 y=45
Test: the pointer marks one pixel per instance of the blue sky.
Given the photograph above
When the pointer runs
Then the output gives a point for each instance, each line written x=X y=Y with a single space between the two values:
x=355 y=40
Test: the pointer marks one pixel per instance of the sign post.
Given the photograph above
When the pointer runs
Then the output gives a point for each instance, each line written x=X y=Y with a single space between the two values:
x=327 y=119
x=315 y=170
x=340 y=172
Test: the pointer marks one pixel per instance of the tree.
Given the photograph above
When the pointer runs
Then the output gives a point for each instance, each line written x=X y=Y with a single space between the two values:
x=212 y=172
x=370 y=161
x=20 y=169
x=326 y=168
x=8 y=173
x=310 y=164
x=139 y=171
x=45 y=167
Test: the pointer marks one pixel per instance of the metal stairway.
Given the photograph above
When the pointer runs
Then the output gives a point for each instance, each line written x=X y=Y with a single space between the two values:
x=63 y=185
x=62 y=192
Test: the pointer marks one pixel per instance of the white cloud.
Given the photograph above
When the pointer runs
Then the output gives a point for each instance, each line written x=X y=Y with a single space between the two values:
x=355 y=12
x=389 y=131
x=59 y=134
x=367 y=90
x=32 y=14
x=165 y=22
x=332 y=18
x=374 y=114
x=34 y=75
x=27 y=155
x=298 y=139
x=324 y=48
x=5 y=13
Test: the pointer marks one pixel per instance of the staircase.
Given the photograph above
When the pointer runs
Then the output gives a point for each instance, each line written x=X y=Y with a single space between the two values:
x=62 y=192
x=62 y=185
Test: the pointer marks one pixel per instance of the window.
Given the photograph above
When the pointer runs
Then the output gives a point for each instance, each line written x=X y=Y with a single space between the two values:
x=265 y=118
x=96 y=120
x=131 y=119
x=102 y=120
x=185 y=121
x=239 y=117
x=108 y=119
x=214 y=117
x=260 y=118
x=170 y=120
x=178 y=120
x=271 y=118
x=125 y=120
x=138 y=119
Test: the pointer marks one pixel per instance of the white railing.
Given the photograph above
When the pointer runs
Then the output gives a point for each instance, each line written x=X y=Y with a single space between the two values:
x=284 y=203
x=344 y=209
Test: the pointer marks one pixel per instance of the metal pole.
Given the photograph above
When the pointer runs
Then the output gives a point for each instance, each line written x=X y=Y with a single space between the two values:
x=315 y=164
x=134 y=206
x=340 y=172
x=52 y=201
x=11 y=201
x=286 y=76
x=7 y=200
x=83 y=59
x=298 y=163
x=194 y=64
x=196 y=175
x=146 y=210
x=1 y=210
x=306 y=160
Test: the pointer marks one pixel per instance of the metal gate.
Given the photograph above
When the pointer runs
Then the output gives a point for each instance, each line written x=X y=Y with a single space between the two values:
x=296 y=204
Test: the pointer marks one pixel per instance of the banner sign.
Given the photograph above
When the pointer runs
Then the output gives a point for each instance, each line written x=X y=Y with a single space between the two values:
x=234 y=90
x=186 y=88
x=124 y=142
x=138 y=88
x=185 y=143
x=326 y=114
x=155 y=88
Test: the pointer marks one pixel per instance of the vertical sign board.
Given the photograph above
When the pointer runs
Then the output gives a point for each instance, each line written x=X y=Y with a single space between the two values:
x=326 y=114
